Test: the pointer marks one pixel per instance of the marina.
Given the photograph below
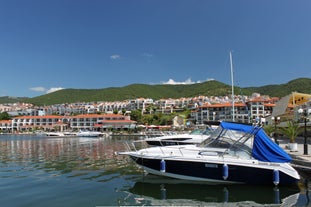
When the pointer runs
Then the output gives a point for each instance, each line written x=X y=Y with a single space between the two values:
x=80 y=171
x=155 y=103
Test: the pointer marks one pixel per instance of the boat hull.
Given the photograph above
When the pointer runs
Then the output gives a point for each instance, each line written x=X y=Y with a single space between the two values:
x=88 y=134
x=212 y=172
x=168 y=142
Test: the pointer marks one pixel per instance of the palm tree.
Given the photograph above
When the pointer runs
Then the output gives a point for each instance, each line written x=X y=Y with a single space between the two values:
x=269 y=129
x=291 y=131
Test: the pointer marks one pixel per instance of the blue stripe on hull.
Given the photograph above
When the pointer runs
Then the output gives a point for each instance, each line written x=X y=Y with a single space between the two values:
x=241 y=174
x=166 y=143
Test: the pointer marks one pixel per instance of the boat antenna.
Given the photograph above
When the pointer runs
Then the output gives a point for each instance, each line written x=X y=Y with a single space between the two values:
x=232 y=86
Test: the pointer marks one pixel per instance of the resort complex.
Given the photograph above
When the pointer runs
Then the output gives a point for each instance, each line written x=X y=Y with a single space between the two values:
x=107 y=116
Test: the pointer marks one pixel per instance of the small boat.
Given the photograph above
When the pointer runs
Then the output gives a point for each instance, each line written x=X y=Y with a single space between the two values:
x=194 y=137
x=234 y=154
x=86 y=133
x=54 y=134
x=60 y=134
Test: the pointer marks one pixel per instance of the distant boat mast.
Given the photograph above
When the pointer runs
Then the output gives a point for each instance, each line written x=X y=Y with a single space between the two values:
x=232 y=87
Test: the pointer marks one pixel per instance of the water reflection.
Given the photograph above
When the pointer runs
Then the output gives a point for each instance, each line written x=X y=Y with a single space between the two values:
x=154 y=190
x=63 y=154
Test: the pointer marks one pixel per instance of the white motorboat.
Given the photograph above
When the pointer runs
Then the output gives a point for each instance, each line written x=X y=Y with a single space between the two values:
x=54 y=134
x=194 y=137
x=235 y=154
x=86 y=133
x=60 y=134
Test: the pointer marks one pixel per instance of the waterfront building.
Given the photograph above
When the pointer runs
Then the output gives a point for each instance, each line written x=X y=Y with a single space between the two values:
x=96 y=122
x=251 y=110
x=220 y=112
x=101 y=122
x=261 y=107
x=287 y=107
x=254 y=109
x=5 y=125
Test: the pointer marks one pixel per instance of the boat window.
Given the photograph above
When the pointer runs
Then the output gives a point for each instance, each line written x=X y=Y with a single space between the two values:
x=214 y=134
x=229 y=139
x=208 y=131
x=196 y=131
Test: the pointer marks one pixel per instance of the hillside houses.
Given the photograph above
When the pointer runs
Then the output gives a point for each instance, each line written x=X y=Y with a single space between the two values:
x=254 y=109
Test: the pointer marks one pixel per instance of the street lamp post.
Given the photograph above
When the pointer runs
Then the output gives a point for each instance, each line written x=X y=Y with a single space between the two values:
x=276 y=120
x=304 y=114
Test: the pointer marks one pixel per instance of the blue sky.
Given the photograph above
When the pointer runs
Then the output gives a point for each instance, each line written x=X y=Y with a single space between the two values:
x=91 y=44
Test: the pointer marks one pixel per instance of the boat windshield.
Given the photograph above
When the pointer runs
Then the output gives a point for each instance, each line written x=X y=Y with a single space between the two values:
x=196 y=131
x=231 y=140
x=206 y=131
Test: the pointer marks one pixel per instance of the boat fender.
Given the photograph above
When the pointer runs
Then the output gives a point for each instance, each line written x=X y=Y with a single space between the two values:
x=162 y=166
x=276 y=177
x=225 y=171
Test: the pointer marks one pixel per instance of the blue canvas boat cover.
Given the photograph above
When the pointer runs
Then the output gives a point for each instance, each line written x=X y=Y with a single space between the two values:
x=264 y=149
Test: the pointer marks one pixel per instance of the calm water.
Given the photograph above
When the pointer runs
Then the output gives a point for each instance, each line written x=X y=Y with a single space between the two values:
x=40 y=171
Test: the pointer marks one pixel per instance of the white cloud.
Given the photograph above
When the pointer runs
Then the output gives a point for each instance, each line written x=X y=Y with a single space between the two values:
x=115 y=57
x=45 y=90
x=186 y=82
x=172 y=82
x=51 y=90
x=38 y=89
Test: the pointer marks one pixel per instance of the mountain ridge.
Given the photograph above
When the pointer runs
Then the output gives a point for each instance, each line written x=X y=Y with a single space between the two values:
x=136 y=90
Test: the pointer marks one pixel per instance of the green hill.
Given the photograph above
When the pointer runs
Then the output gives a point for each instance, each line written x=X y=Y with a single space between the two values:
x=11 y=99
x=131 y=92
x=208 y=88
x=302 y=85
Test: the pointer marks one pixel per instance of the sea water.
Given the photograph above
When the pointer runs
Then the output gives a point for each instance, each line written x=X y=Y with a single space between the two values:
x=51 y=171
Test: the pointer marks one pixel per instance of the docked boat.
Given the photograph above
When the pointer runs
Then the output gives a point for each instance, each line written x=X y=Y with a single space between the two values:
x=60 y=134
x=54 y=134
x=234 y=154
x=194 y=137
x=86 y=133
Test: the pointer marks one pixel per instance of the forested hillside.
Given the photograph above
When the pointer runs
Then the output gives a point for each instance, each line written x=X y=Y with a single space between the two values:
x=208 y=88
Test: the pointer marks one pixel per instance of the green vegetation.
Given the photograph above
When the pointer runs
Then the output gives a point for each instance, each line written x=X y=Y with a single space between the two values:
x=9 y=99
x=291 y=131
x=301 y=85
x=208 y=88
x=156 y=118
x=4 y=116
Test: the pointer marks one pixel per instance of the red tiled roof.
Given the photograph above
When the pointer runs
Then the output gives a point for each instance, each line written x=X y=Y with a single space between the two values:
x=269 y=104
x=5 y=121
x=97 y=115
x=39 y=117
x=222 y=105
x=118 y=121
x=77 y=116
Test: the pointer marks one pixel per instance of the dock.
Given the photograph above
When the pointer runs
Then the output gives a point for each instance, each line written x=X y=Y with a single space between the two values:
x=301 y=162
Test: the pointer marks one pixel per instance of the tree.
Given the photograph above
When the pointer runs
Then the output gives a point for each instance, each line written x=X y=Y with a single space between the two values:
x=269 y=129
x=4 y=116
x=136 y=116
x=123 y=111
x=291 y=131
